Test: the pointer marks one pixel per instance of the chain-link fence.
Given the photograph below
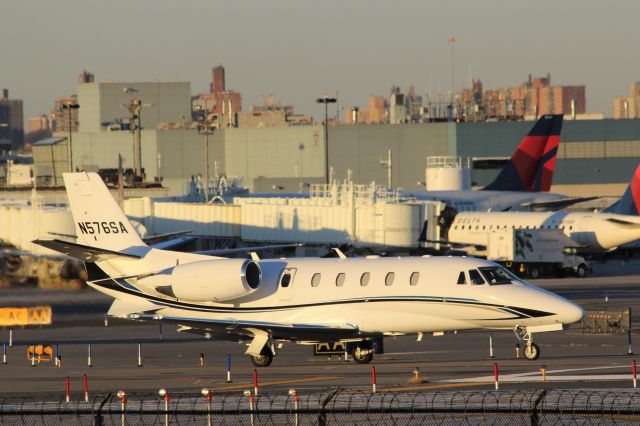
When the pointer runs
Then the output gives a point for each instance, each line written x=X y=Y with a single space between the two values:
x=334 y=407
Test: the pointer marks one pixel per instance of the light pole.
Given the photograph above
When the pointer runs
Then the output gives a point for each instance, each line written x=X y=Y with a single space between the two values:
x=205 y=127
x=135 y=127
x=69 y=107
x=326 y=100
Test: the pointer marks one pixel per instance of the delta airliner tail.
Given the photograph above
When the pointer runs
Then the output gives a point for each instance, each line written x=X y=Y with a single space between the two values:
x=629 y=203
x=532 y=165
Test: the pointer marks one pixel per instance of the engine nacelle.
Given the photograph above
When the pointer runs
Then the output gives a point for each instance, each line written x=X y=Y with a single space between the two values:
x=215 y=280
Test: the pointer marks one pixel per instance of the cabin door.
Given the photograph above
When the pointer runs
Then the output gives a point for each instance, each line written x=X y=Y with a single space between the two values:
x=286 y=284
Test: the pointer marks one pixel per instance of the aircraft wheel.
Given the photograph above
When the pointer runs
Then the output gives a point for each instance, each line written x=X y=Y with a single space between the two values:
x=534 y=272
x=581 y=272
x=531 y=351
x=262 y=360
x=362 y=355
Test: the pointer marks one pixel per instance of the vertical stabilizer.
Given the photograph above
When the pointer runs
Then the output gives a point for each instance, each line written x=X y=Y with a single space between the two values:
x=629 y=203
x=531 y=166
x=98 y=219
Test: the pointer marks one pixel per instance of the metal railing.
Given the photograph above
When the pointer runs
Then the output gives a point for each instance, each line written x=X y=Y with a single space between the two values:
x=335 y=407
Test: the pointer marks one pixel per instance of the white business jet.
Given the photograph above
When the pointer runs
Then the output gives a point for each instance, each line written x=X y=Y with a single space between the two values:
x=304 y=300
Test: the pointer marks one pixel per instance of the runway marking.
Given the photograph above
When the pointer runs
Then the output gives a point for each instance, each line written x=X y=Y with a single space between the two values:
x=249 y=385
x=535 y=376
x=435 y=386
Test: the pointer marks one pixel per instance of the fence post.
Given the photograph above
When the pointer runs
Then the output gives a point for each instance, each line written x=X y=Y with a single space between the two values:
x=495 y=375
x=294 y=393
x=206 y=392
x=4 y=353
x=122 y=396
x=10 y=338
x=629 y=350
x=248 y=394
x=139 y=355
x=165 y=396
x=89 y=356
x=634 y=372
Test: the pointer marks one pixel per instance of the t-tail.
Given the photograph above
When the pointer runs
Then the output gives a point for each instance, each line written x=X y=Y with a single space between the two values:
x=629 y=203
x=99 y=220
x=531 y=166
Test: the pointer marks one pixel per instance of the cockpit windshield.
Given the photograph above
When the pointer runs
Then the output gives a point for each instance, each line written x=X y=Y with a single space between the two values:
x=496 y=275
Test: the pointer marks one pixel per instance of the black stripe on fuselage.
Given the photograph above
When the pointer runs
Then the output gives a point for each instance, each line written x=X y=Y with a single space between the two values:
x=517 y=312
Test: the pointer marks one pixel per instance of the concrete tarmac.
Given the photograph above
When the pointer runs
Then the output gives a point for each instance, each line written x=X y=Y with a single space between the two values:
x=453 y=361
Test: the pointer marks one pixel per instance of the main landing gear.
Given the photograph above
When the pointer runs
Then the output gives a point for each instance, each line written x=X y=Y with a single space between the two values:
x=263 y=360
x=362 y=353
x=531 y=350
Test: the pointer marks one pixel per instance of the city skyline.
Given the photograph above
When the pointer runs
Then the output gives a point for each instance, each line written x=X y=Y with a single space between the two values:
x=300 y=50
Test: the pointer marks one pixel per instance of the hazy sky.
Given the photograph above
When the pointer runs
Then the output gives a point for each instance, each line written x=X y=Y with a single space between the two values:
x=299 y=49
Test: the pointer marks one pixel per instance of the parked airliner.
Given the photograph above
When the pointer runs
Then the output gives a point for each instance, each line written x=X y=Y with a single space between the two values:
x=524 y=182
x=595 y=232
x=302 y=300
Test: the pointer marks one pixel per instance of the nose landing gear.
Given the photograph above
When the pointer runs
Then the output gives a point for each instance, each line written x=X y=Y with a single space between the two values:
x=531 y=350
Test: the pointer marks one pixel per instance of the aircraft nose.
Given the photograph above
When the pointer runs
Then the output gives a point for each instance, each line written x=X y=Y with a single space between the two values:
x=570 y=313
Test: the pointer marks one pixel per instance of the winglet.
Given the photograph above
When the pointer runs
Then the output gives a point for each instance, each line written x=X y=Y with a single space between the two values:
x=531 y=166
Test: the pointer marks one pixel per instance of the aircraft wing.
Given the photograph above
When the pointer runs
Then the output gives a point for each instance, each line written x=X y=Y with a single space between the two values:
x=82 y=252
x=552 y=205
x=222 y=252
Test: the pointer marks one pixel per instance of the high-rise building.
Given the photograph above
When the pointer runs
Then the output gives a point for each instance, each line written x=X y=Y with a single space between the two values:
x=225 y=102
x=62 y=117
x=86 y=77
x=534 y=97
x=218 y=82
x=11 y=122
x=628 y=106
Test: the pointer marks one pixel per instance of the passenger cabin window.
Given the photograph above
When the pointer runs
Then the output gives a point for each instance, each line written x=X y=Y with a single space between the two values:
x=364 y=279
x=475 y=277
x=462 y=279
x=414 y=278
x=285 y=280
x=340 y=279
x=495 y=275
x=315 y=280
x=388 y=280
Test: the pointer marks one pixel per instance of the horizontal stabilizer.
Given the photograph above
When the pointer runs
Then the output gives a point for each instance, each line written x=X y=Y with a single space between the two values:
x=125 y=309
x=82 y=252
x=622 y=222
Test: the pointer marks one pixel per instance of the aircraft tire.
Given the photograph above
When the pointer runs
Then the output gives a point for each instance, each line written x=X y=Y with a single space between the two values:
x=531 y=352
x=362 y=355
x=534 y=272
x=581 y=272
x=262 y=360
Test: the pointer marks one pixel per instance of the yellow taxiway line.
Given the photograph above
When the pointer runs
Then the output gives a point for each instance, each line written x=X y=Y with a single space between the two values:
x=280 y=382
x=434 y=386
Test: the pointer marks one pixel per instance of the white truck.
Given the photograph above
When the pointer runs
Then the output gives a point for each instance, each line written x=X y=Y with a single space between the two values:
x=536 y=252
